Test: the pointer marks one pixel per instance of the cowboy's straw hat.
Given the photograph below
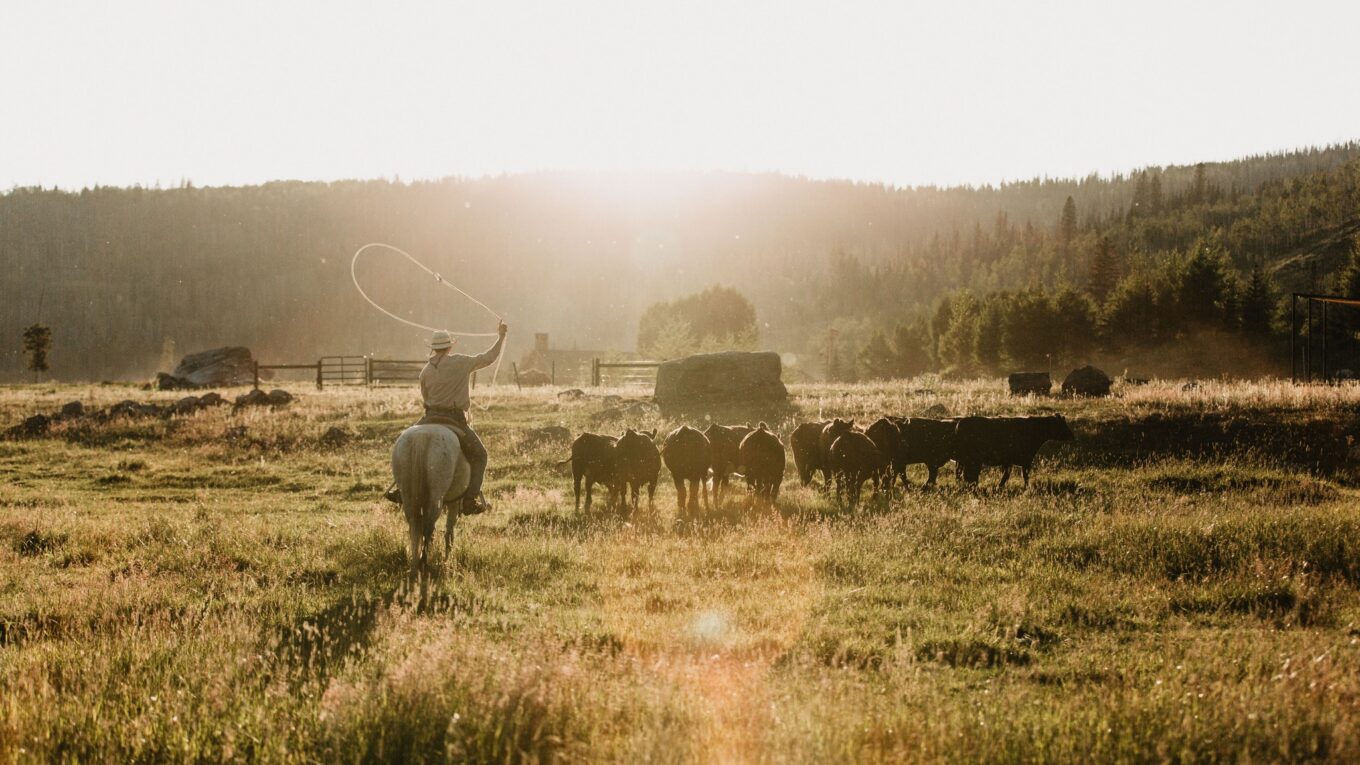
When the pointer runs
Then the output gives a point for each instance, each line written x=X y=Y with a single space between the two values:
x=440 y=340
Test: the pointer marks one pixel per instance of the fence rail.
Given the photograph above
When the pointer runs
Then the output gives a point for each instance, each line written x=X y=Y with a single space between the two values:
x=597 y=371
x=351 y=370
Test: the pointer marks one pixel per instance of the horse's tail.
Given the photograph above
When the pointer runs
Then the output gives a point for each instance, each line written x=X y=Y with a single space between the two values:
x=409 y=467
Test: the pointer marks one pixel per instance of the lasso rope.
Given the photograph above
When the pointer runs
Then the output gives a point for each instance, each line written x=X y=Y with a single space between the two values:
x=354 y=276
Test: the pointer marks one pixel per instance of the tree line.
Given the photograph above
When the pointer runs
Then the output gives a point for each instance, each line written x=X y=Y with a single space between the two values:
x=124 y=271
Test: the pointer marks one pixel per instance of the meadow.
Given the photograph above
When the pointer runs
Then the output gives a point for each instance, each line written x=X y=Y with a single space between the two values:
x=1182 y=583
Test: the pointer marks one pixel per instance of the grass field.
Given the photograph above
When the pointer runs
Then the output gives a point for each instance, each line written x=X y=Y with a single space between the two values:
x=1182 y=584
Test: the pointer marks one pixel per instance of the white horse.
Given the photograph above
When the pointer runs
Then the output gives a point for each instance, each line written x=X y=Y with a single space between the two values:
x=431 y=471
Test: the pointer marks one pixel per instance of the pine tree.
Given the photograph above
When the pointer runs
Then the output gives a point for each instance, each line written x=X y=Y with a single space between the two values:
x=911 y=344
x=37 y=340
x=1349 y=278
x=1257 y=300
x=876 y=358
x=1105 y=271
x=1067 y=224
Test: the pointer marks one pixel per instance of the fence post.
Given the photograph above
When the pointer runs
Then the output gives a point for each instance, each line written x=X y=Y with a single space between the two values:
x=515 y=368
x=553 y=378
x=256 y=365
x=595 y=373
x=368 y=372
x=319 y=384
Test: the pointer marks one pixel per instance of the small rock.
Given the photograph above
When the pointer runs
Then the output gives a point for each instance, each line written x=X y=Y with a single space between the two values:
x=336 y=436
x=612 y=400
x=549 y=434
x=280 y=397
x=37 y=425
x=211 y=399
x=572 y=394
x=254 y=398
x=72 y=410
x=936 y=411
x=188 y=405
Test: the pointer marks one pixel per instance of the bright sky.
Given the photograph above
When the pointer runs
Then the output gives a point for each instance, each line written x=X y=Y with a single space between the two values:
x=905 y=92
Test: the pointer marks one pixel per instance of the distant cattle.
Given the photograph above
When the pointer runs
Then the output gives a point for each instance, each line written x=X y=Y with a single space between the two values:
x=637 y=462
x=762 y=459
x=724 y=442
x=592 y=462
x=887 y=437
x=833 y=430
x=922 y=441
x=1004 y=442
x=805 y=442
x=854 y=459
x=687 y=455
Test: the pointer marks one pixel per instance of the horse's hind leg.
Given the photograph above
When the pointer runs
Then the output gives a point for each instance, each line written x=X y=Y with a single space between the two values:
x=448 y=533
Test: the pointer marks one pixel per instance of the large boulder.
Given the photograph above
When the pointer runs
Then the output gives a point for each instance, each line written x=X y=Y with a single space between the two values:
x=1030 y=383
x=1087 y=381
x=730 y=378
x=232 y=365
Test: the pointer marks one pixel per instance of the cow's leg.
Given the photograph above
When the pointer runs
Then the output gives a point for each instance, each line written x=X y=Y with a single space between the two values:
x=1005 y=476
x=590 y=485
x=679 y=492
x=703 y=487
x=1024 y=472
x=934 y=471
x=651 y=494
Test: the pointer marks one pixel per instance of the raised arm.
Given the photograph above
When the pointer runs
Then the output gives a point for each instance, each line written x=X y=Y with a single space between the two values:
x=488 y=358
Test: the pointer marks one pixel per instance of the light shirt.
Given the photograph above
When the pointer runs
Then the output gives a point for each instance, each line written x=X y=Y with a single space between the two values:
x=444 y=380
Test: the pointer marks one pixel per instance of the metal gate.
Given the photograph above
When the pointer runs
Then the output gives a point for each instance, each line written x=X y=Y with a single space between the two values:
x=341 y=370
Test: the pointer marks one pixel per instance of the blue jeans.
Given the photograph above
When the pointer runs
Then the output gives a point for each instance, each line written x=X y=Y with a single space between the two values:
x=477 y=458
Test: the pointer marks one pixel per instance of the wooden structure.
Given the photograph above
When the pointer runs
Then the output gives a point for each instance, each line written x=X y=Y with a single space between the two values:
x=351 y=370
x=638 y=372
x=1308 y=350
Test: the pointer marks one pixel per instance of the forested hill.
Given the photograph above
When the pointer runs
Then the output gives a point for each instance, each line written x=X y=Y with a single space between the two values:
x=117 y=272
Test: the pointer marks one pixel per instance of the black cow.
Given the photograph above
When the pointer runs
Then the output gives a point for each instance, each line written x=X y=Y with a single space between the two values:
x=833 y=430
x=805 y=443
x=637 y=462
x=688 y=456
x=923 y=441
x=724 y=442
x=1004 y=442
x=886 y=436
x=592 y=461
x=762 y=457
x=854 y=459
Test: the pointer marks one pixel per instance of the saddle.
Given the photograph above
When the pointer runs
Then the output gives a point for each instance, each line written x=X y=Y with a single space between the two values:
x=457 y=424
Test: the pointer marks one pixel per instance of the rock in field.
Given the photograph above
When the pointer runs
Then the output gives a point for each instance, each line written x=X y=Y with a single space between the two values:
x=1087 y=381
x=733 y=377
x=232 y=365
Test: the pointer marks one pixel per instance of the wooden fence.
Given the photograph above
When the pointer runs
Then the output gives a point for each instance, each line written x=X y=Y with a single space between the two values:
x=636 y=372
x=355 y=370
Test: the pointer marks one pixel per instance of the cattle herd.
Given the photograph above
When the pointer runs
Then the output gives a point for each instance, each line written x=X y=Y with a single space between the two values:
x=845 y=456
